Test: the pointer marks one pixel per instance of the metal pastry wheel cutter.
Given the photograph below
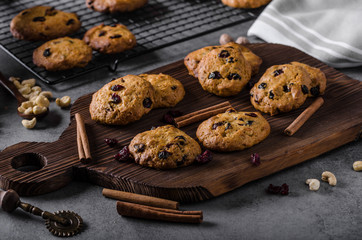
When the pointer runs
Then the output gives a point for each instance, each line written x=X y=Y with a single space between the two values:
x=61 y=223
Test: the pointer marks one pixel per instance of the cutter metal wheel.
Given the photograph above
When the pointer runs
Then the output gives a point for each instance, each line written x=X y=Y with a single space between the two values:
x=61 y=223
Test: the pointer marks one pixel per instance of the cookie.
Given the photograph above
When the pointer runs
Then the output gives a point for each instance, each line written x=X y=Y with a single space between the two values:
x=113 y=6
x=122 y=101
x=317 y=77
x=111 y=39
x=43 y=23
x=245 y=3
x=193 y=59
x=168 y=91
x=282 y=88
x=62 y=54
x=224 y=71
x=233 y=131
x=164 y=148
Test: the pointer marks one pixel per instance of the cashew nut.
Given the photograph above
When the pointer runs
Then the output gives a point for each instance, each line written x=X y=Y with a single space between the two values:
x=12 y=79
x=21 y=109
x=30 y=82
x=357 y=166
x=42 y=101
x=39 y=109
x=314 y=184
x=33 y=96
x=28 y=111
x=27 y=104
x=63 y=102
x=29 y=123
x=242 y=40
x=36 y=89
x=24 y=90
x=46 y=94
x=225 y=38
x=330 y=178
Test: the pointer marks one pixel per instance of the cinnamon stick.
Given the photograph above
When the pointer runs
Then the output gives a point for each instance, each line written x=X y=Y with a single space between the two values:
x=140 y=199
x=83 y=144
x=144 y=212
x=303 y=117
x=202 y=114
x=175 y=211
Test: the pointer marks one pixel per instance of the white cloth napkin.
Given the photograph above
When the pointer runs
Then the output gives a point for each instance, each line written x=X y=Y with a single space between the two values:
x=329 y=30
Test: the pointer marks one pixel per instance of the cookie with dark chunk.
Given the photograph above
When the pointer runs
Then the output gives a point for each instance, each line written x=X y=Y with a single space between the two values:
x=122 y=101
x=245 y=3
x=193 y=59
x=110 y=39
x=232 y=131
x=62 y=54
x=113 y=6
x=164 y=148
x=282 y=88
x=168 y=90
x=317 y=77
x=43 y=23
x=224 y=71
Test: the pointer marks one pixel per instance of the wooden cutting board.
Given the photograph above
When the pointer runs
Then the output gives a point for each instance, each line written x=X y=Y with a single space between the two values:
x=336 y=123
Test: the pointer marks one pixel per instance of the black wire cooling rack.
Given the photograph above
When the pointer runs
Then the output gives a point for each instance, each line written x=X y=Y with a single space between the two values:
x=159 y=24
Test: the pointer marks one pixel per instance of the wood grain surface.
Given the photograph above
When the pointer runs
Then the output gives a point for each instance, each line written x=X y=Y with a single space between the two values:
x=337 y=122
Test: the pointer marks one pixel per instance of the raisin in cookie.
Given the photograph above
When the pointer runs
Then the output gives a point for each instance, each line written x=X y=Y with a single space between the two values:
x=122 y=101
x=111 y=39
x=245 y=3
x=164 y=148
x=224 y=71
x=232 y=131
x=62 y=53
x=168 y=91
x=282 y=88
x=193 y=59
x=43 y=23
x=318 y=78
x=113 y=6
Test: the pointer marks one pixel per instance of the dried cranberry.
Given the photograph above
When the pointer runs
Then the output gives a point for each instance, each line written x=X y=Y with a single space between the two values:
x=249 y=123
x=305 y=89
x=228 y=126
x=175 y=113
x=39 y=19
x=215 y=75
x=50 y=12
x=262 y=86
x=116 y=98
x=115 y=36
x=218 y=124
x=255 y=159
x=164 y=155
x=111 y=142
x=230 y=60
x=47 y=52
x=315 y=91
x=205 y=157
x=234 y=76
x=140 y=147
x=285 y=189
x=271 y=94
x=251 y=114
x=116 y=87
x=167 y=118
x=278 y=72
x=224 y=54
x=174 y=87
x=286 y=89
x=123 y=155
x=102 y=33
x=70 y=21
x=147 y=102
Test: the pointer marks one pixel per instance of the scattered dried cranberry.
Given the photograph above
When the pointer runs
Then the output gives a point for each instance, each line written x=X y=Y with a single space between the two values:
x=47 y=52
x=123 y=155
x=205 y=157
x=140 y=147
x=251 y=114
x=215 y=75
x=102 y=33
x=271 y=94
x=305 y=89
x=224 y=54
x=234 y=76
x=39 y=19
x=286 y=89
x=315 y=91
x=70 y=21
x=164 y=155
x=283 y=190
x=116 y=98
x=115 y=36
x=116 y=87
x=111 y=142
x=255 y=159
x=174 y=87
x=262 y=86
x=147 y=102
x=169 y=117
x=228 y=126
x=278 y=72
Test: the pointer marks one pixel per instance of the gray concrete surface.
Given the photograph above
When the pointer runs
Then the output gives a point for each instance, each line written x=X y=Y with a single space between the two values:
x=245 y=213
